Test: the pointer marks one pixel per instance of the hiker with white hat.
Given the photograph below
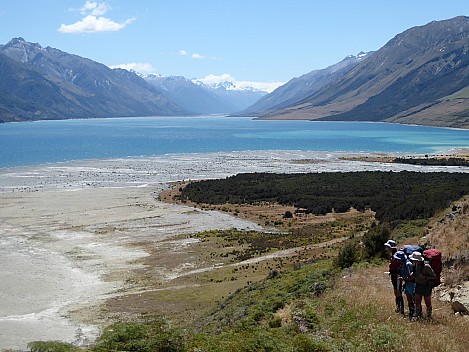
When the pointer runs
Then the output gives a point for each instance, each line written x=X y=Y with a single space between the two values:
x=394 y=265
x=424 y=280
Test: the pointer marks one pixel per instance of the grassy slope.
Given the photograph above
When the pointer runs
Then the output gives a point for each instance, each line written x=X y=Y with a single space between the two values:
x=355 y=314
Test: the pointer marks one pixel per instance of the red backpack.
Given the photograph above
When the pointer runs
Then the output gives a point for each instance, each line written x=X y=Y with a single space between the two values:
x=433 y=256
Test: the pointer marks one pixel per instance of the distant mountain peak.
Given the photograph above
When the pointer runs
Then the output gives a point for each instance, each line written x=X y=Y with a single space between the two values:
x=19 y=41
x=361 y=55
x=16 y=40
x=21 y=49
x=228 y=83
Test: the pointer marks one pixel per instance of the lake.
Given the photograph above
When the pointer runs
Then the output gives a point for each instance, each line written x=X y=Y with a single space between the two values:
x=43 y=142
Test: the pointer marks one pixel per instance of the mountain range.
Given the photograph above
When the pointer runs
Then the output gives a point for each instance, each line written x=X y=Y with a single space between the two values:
x=421 y=76
x=46 y=83
x=39 y=83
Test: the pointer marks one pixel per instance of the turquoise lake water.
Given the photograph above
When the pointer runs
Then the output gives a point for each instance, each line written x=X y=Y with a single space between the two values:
x=31 y=143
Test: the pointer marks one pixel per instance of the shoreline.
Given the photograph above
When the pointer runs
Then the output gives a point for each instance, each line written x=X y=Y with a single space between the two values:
x=87 y=225
x=227 y=115
x=447 y=152
x=194 y=166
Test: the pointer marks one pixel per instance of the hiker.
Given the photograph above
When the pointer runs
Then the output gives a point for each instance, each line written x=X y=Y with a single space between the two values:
x=405 y=276
x=424 y=281
x=393 y=272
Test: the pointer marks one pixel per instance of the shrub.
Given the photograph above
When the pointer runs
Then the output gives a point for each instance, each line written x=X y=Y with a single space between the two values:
x=384 y=338
x=288 y=215
x=152 y=336
x=275 y=322
x=305 y=343
x=373 y=241
x=51 y=346
x=348 y=254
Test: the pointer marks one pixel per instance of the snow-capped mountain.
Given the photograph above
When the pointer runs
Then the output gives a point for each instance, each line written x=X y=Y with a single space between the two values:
x=205 y=96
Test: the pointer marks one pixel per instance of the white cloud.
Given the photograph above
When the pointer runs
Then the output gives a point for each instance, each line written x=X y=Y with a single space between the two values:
x=212 y=80
x=197 y=56
x=268 y=87
x=93 y=24
x=216 y=79
x=94 y=8
x=144 y=68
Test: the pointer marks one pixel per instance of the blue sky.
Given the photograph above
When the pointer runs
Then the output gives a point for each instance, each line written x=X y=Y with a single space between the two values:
x=248 y=40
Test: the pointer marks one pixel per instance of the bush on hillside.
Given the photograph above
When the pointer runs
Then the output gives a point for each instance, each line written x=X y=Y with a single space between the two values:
x=152 y=336
x=52 y=346
x=349 y=254
x=373 y=241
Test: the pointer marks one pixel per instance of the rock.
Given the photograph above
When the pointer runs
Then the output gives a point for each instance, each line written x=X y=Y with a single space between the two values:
x=458 y=308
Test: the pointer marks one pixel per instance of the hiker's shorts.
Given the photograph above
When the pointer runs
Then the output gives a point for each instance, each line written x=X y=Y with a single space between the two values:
x=409 y=288
x=424 y=290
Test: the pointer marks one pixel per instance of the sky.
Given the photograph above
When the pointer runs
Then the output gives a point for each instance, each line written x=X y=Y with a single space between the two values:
x=263 y=42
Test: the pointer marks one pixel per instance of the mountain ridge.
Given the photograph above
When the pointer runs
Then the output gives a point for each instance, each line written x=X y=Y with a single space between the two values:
x=414 y=79
x=300 y=87
x=82 y=88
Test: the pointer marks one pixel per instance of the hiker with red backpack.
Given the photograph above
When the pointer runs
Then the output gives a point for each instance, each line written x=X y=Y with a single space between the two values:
x=433 y=256
x=425 y=278
x=393 y=266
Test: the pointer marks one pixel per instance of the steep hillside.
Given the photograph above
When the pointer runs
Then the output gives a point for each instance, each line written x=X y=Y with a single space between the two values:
x=420 y=76
x=77 y=87
x=23 y=89
x=301 y=87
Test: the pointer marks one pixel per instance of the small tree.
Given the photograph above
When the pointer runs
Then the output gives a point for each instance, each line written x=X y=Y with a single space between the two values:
x=288 y=215
x=348 y=254
x=373 y=241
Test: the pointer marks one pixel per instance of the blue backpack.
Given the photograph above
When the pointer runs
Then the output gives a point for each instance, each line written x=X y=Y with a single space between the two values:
x=409 y=249
x=406 y=264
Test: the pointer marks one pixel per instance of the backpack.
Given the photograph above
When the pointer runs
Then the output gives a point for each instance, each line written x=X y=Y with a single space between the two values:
x=409 y=249
x=433 y=256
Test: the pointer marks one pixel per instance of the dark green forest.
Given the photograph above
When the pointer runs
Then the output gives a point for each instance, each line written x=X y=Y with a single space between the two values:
x=394 y=196
x=452 y=161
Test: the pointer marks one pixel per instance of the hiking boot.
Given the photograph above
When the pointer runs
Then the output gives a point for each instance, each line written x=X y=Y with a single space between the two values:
x=398 y=304
x=411 y=310
x=401 y=305
x=429 y=312
x=417 y=314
